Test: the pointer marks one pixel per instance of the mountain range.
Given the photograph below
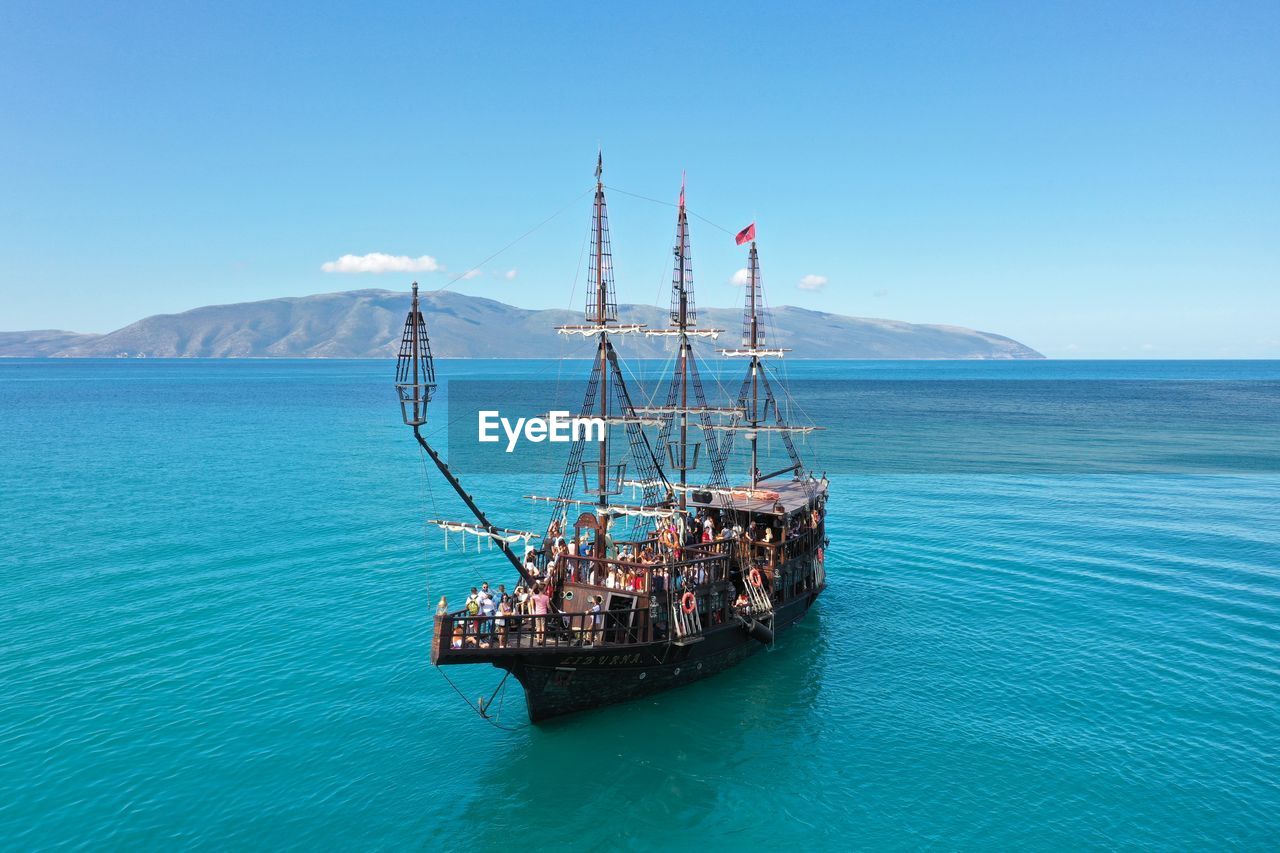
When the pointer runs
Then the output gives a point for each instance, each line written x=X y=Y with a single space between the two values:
x=367 y=324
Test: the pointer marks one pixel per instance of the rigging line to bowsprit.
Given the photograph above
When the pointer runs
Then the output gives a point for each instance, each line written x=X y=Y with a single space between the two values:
x=669 y=204
x=460 y=276
x=478 y=711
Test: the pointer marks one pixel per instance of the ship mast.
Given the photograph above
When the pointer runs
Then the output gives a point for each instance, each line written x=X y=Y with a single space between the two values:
x=752 y=319
x=602 y=302
x=685 y=395
x=756 y=396
x=682 y=323
x=607 y=396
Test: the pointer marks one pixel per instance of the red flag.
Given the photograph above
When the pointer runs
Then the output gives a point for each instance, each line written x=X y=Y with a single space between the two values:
x=682 y=189
x=746 y=235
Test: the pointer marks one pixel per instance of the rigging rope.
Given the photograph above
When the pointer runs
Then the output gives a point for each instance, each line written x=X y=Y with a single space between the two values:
x=460 y=276
x=669 y=204
x=493 y=721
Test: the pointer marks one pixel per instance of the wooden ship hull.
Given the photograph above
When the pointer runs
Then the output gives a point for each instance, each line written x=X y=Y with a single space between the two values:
x=565 y=673
x=569 y=679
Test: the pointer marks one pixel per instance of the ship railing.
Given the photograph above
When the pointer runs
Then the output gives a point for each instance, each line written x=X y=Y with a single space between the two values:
x=800 y=544
x=635 y=545
x=692 y=573
x=770 y=554
x=716 y=547
x=462 y=632
x=584 y=570
x=687 y=571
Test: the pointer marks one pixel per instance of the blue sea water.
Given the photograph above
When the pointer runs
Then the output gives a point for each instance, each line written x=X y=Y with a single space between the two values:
x=217 y=594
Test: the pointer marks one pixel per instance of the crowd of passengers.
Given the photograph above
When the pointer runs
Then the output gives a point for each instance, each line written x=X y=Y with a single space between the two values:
x=629 y=567
x=501 y=613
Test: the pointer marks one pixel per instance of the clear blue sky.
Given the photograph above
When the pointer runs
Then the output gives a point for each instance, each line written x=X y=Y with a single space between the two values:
x=1093 y=179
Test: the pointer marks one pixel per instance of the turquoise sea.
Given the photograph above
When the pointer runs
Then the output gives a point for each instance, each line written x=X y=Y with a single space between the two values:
x=217 y=593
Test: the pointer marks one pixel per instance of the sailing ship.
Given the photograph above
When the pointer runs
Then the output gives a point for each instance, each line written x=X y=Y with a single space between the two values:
x=688 y=578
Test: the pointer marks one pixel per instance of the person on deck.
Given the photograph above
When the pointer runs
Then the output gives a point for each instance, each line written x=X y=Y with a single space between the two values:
x=571 y=551
x=504 y=617
x=597 y=619
x=488 y=610
x=541 y=602
x=553 y=558
x=670 y=539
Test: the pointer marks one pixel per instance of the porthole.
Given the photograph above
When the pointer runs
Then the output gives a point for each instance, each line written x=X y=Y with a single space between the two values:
x=642 y=675
x=699 y=666
x=677 y=670
x=568 y=596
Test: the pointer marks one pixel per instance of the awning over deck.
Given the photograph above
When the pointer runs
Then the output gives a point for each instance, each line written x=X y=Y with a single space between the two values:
x=792 y=494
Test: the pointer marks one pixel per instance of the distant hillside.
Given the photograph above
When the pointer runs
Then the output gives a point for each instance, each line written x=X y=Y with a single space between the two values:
x=43 y=342
x=367 y=324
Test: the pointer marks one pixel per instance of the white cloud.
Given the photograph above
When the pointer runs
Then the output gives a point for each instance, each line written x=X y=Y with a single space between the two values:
x=812 y=282
x=470 y=274
x=378 y=262
x=741 y=278
x=509 y=275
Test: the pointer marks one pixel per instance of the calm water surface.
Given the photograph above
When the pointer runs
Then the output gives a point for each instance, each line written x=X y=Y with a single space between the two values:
x=217 y=596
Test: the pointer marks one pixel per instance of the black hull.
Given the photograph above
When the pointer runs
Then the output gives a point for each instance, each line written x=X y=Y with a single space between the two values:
x=579 y=679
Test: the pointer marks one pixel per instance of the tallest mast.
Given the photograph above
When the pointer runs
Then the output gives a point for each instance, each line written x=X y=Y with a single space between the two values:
x=603 y=301
x=607 y=397
x=681 y=314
